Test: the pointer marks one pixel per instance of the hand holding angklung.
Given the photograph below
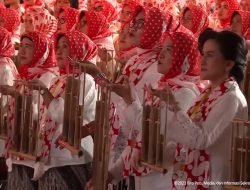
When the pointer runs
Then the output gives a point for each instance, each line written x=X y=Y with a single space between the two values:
x=122 y=88
x=88 y=129
x=86 y=66
x=36 y=84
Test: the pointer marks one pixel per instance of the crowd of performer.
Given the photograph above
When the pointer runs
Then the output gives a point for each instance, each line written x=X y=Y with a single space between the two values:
x=191 y=54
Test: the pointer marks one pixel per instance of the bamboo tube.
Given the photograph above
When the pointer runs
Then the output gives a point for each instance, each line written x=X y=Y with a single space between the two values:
x=241 y=155
x=232 y=152
x=152 y=137
x=66 y=109
x=240 y=170
x=78 y=123
x=153 y=167
x=32 y=134
x=101 y=141
x=158 y=138
x=18 y=120
x=23 y=155
x=97 y=138
x=107 y=140
x=1 y=114
x=3 y=117
x=70 y=148
x=73 y=107
x=164 y=158
x=145 y=132
x=27 y=123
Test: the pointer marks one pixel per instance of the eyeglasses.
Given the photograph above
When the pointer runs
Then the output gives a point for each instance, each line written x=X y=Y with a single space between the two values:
x=136 y=24
x=62 y=20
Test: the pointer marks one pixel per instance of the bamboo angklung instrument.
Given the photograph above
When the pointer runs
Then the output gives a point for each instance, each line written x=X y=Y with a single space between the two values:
x=3 y=116
x=154 y=133
x=73 y=111
x=240 y=154
x=245 y=86
x=101 y=140
x=26 y=126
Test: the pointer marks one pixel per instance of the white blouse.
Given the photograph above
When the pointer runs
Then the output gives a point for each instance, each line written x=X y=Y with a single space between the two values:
x=214 y=133
x=133 y=114
x=6 y=78
x=150 y=77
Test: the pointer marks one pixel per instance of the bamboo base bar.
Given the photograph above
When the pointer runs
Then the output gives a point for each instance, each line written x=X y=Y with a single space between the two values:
x=23 y=155
x=154 y=167
x=70 y=148
x=231 y=187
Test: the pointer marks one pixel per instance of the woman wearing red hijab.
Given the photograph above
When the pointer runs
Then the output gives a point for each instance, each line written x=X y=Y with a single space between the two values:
x=245 y=5
x=195 y=19
x=127 y=11
x=59 y=168
x=8 y=73
x=16 y=5
x=240 y=23
x=144 y=34
x=11 y=22
x=107 y=9
x=96 y=27
x=40 y=21
x=225 y=11
x=67 y=19
x=178 y=62
x=36 y=61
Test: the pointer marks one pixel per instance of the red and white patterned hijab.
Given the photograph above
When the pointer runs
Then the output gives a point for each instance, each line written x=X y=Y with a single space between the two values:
x=152 y=32
x=7 y=49
x=172 y=24
x=43 y=21
x=81 y=48
x=11 y=19
x=233 y=5
x=185 y=55
x=71 y=15
x=98 y=26
x=153 y=26
x=108 y=11
x=131 y=4
x=43 y=60
x=200 y=18
x=245 y=18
